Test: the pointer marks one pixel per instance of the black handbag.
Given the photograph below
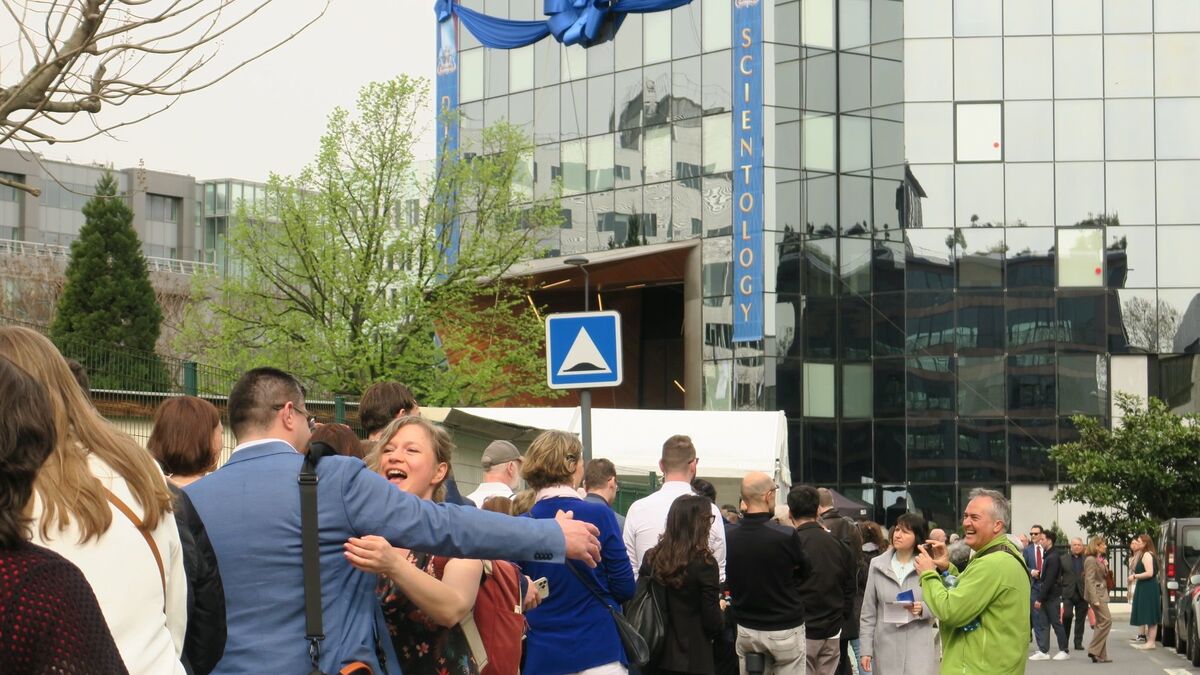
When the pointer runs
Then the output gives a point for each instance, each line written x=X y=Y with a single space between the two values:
x=636 y=649
x=647 y=614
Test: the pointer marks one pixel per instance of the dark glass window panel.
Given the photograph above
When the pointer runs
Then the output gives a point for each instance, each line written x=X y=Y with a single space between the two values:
x=686 y=216
x=1131 y=257
x=890 y=464
x=788 y=374
x=1029 y=443
x=819 y=92
x=889 y=387
x=929 y=324
x=1069 y=433
x=750 y=394
x=937 y=504
x=930 y=387
x=1082 y=384
x=656 y=88
x=981 y=263
x=574 y=109
x=820 y=452
x=887 y=213
x=888 y=318
x=980 y=323
x=855 y=212
x=856 y=328
x=628 y=89
x=820 y=267
x=887 y=266
x=819 y=327
x=685 y=77
x=1029 y=318
x=787 y=271
x=796 y=451
x=982 y=451
x=787 y=202
x=652 y=226
x=1178 y=382
x=627 y=207
x=1029 y=257
x=854 y=79
x=820 y=206
x=716 y=79
x=856 y=452
x=931 y=450
x=928 y=263
x=981 y=385
x=1081 y=323
x=1031 y=385
x=855 y=265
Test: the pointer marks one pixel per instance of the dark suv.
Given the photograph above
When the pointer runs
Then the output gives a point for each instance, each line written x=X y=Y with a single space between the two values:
x=1179 y=550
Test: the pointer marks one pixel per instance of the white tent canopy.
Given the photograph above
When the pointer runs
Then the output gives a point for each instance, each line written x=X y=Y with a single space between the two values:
x=728 y=444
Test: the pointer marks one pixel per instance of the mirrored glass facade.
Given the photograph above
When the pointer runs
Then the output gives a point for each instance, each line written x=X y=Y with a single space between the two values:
x=974 y=210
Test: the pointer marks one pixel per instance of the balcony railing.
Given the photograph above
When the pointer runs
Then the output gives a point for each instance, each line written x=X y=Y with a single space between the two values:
x=153 y=263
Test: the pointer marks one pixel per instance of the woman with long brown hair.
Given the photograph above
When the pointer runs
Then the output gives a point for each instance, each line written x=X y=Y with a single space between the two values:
x=101 y=502
x=1147 y=603
x=1095 y=592
x=683 y=563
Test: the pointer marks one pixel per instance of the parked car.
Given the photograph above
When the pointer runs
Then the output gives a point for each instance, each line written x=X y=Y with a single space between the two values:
x=1187 y=640
x=1179 y=551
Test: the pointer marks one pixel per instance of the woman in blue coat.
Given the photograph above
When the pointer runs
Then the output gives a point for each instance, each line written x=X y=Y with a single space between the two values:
x=897 y=639
x=572 y=631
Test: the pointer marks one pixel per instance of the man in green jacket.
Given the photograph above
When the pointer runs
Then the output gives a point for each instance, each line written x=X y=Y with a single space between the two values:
x=983 y=611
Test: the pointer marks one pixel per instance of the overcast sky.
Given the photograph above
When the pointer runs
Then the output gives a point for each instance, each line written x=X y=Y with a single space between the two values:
x=269 y=116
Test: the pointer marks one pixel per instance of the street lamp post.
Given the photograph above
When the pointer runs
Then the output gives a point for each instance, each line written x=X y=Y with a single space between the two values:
x=585 y=395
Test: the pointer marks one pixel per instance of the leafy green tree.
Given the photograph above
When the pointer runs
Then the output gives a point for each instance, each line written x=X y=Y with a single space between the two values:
x=344 y=273
x=1134 y=476
x=107 y=317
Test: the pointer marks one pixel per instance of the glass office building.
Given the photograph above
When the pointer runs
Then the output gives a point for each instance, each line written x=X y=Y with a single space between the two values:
x=978 y=215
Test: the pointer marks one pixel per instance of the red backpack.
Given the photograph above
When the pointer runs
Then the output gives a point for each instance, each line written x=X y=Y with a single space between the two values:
x=497 y=625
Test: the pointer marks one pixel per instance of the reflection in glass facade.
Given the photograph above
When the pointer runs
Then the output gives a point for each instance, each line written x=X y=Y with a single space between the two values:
x=974 y=211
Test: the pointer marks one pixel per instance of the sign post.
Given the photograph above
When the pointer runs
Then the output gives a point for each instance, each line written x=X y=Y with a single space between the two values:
x=583 y=350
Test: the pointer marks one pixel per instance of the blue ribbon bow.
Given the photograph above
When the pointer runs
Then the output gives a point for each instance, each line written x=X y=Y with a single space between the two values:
x=571 y=22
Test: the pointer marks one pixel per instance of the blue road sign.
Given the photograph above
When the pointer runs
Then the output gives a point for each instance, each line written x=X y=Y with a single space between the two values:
x=583 y=350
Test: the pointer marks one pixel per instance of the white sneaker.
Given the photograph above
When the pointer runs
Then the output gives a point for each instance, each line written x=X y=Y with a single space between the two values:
x=1040 y=656
x=1061 y=656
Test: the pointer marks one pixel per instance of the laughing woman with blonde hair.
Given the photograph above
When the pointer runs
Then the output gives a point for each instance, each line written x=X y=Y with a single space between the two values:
x=101 y=502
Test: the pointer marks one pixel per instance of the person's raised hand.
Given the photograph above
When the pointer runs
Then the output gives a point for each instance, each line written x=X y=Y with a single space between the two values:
x=372 y=554
x=924 y=562
x=581 y=538
x=938 y=551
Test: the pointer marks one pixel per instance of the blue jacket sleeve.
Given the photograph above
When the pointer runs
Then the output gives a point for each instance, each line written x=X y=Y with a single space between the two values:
x=374 y=506
x=615 y=560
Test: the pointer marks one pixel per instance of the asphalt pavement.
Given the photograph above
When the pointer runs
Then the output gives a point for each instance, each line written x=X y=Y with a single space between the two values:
x=1126 y=659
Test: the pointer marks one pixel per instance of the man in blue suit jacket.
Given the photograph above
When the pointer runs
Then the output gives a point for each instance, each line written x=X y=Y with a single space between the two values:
x=251 y=508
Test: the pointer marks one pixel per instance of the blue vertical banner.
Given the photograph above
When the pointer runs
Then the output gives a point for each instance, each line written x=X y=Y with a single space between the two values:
x=747 y=171
x=446 y=90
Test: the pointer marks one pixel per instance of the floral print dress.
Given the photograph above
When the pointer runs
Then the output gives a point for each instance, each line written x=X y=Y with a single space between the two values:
x=423 y=646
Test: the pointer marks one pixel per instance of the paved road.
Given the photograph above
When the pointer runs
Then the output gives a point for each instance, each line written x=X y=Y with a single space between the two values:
x=1126 y=660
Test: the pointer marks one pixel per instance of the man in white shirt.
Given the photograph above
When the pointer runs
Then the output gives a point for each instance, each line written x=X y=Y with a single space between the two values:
x=647 y=517
x=501 y=464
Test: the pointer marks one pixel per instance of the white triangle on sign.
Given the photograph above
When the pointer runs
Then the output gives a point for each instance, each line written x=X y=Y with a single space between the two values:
x=584 y=358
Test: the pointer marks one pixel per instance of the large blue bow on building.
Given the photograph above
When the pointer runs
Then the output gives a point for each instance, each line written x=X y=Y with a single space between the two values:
x=571 y=22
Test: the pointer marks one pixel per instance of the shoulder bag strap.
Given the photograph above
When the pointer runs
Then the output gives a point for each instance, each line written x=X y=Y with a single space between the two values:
x=311 y=555
x=590 y=584
x=141 y=528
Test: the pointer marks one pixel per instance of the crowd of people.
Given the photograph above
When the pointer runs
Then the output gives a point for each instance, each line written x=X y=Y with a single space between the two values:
x=155 y=561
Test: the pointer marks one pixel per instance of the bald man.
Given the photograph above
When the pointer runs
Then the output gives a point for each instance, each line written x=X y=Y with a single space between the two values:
x=938 y=534
x=764 y=568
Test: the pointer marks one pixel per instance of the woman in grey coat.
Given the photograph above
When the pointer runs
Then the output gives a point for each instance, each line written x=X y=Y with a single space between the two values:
x=897 y=648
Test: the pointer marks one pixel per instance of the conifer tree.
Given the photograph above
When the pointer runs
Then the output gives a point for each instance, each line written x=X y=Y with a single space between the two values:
x=108 y=317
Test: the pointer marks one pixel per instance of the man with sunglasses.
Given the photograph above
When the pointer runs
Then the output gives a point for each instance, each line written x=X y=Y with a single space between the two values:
x=251 y=509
